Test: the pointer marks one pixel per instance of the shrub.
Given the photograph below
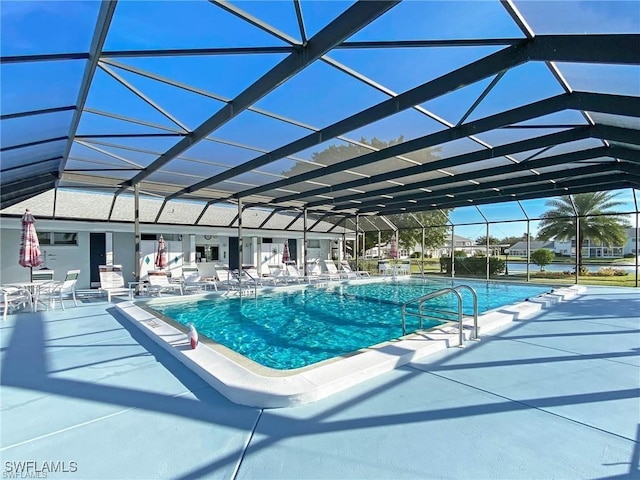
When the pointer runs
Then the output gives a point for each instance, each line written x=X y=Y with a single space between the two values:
x=629 y=255
x=551 y=274
x=611 y=272
x=473 y=265
x=445 y=264
x=584 y=271
x=605 y=272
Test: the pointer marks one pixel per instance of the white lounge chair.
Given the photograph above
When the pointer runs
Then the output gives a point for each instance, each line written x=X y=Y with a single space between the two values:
x=42 y=276
x=227 y=278
x=192 y=280
x=332 y=271
x=315 y=272
x=50 y=292
x=280 y=275
x=347 y=268
x=112 y=282
x=294 y=274
x=159 y=283
x=252 y=276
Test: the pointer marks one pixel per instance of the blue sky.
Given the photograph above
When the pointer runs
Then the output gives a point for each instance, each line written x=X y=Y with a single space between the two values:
x=317 y=97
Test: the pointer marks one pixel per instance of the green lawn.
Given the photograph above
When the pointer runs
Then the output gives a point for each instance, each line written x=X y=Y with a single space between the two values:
x=432 y=266
x=614 y=281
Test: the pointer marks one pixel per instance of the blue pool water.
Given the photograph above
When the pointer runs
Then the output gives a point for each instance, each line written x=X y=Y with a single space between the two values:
x=292 y=329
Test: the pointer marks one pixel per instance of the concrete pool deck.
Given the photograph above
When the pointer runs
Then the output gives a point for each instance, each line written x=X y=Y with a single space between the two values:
x=551 y=396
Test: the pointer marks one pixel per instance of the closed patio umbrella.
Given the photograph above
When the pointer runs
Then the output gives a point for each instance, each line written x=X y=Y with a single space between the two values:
x=161 y=256
x=29 y=244
x=285 y=253
x=393 y=247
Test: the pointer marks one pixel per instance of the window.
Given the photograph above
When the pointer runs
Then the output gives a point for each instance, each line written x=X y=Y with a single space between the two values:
x=313 y=243
x=58 y=238
x=267 y=240
x=167 y=237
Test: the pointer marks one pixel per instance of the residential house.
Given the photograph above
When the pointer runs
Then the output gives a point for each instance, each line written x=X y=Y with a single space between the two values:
x=590 y=248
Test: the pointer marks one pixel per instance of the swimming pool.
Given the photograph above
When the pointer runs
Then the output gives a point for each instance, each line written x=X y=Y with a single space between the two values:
x=292 y=329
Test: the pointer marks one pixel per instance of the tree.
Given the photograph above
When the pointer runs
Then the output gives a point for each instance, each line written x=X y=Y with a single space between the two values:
x=482 y=240
x=513 y=240
x=435 y=235
x=542 y=257
x=371 y=238
x=560 y=222
x=342 y=151
x=436 y=230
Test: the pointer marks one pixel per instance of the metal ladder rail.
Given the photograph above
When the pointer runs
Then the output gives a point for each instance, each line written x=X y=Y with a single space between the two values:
x=429 y=296
x=420 y=300
x=475 y=310
x=432 y=315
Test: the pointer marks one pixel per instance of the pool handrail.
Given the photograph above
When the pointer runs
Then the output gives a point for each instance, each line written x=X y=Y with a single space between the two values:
x=475 y=310
x=438 y=293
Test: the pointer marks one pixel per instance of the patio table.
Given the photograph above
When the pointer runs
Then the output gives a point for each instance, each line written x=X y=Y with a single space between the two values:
x=33 y=288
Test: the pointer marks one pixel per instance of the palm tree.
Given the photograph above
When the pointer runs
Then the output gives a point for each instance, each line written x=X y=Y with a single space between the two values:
x=560 y=222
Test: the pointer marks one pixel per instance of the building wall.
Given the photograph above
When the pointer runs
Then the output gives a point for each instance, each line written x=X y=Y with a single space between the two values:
x=630 y=246
x=59 y=258
x=121 y=248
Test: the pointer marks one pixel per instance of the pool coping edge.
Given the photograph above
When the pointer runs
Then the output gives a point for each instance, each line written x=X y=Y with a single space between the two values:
x=243 y=386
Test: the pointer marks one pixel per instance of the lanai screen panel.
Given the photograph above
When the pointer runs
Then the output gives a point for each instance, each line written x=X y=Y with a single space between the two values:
x=39 y=205
x=281 y=220
x=164 y=80
x=28 y=156
x=254 y=217
x=124 y=209
x=625 y=200
x=333 y=223
x=82 y=205
x=219 y=215
x=466 y=215
x=320 y=95
x=411 y=221
x=509 y=233
x=623 y=121
x=500 y=212
x=576 y=17
x=29 y=87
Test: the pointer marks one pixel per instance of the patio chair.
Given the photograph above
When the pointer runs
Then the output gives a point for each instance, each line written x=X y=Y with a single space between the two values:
x=332 y=271
x=294 y=274
x=192 y=280
x=279 y=275
x=347 y=268
x=42 y=276
x=254 y=277
x=112 y=282
x=404 y=267
x=50 y=292
x=14 y=298
x=315 y=272
x=227 y=278
x=159 y=283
